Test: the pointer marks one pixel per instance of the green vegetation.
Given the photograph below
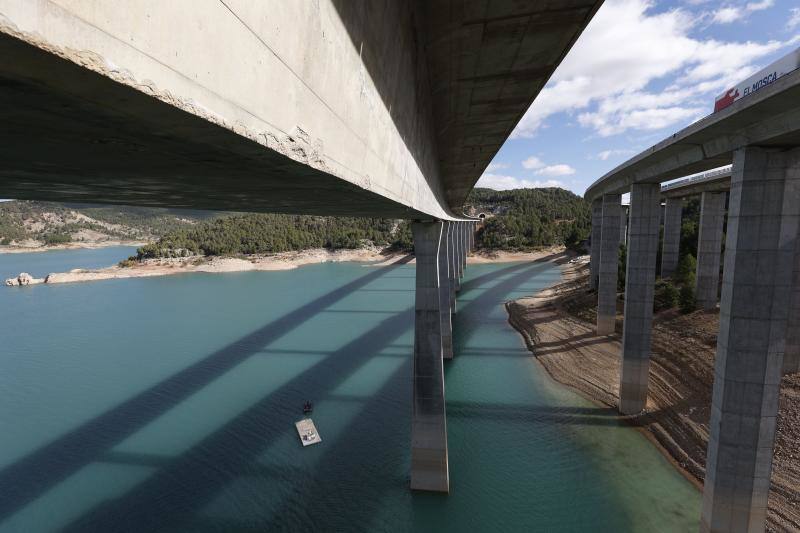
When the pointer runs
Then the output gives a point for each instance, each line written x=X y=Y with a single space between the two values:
x=686 y=271
x=687 y=300
x=57 y=238
x=524 y=219
x=266 y=233
x=666 y=295
x=622 y=265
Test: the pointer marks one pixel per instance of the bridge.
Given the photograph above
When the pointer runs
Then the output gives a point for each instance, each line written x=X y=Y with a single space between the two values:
x=759 y=136
x=337 y=107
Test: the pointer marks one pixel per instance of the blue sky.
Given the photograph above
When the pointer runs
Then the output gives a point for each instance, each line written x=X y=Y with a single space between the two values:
x=640 y=71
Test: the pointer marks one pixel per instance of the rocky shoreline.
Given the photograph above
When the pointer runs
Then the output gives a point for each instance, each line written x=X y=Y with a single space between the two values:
x=32 y=246
x=557 y=325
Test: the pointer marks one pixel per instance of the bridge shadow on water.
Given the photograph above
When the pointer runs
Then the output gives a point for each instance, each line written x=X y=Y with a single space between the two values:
x=183 y=486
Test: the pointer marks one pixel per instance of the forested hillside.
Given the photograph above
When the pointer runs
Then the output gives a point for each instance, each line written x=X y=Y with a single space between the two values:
x=523 y=219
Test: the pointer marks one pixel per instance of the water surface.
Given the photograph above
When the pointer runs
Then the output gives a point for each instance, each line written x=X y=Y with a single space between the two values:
x=168 y=404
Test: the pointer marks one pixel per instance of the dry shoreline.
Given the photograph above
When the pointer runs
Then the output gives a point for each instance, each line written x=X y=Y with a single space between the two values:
x=41 y=247
x=557 y=325
x=280 y=261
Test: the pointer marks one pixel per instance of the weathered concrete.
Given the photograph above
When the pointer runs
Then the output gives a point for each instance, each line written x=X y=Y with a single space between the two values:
x=594 y=253
x=462 y=252
x=623 y=225
x=640 y=276
x=456 y=260
x=791 y=358
x=709 y=249
x=609 y=260
x=452 y=278
x=332 y=107
x=757 y=280
x=464 y=246
x=670 y=251
x=445 y=307
x=429 y=465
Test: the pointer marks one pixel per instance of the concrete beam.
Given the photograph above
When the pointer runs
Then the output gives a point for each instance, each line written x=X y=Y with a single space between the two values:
x=670 y=251
x=445 y=307
x=594 y=253
x=429 y=464
x=640 y=276
x=757 y=284
x=609 y=260
x=709 y=249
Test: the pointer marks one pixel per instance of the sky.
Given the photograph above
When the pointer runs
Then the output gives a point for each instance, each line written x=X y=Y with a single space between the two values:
x=642 y=70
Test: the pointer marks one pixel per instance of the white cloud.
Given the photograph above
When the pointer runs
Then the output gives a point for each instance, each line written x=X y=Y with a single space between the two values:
x=495 y=166
x=556 y=170
x=758 y=6
x=794 y=18
x=503 y=183
x=605 y=154
x=726 y=15
x=532 y=162
x=640 y=47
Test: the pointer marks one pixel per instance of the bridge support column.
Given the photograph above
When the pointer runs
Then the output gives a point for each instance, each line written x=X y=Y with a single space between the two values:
x=670 y=250
x=453 y=284
x=756 y=294
x=445 y=307
x=429 y=470
x=471 y=236
x=464 y=247
x=607 y=271
x=640 y=277
x=594 y=253
x=623 y=225
x=709 y=248
x=791 y=358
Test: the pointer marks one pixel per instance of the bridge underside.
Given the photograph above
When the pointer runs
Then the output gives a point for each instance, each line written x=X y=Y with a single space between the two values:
x=61 y=140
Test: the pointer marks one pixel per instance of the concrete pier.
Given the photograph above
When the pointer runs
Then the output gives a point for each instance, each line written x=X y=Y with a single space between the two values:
x=791 y=358
x=756 y=293
x=623 y=225
x=464 y=246
x=609 y=259
x=709 y=248
x=456 y=259
x=452 y=279
x=670 y=252
x=594 y=253
x=429 y=466
x=445 y=307
x=640 y=275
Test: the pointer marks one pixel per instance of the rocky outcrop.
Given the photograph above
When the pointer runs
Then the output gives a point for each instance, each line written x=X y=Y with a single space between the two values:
x=23 y=279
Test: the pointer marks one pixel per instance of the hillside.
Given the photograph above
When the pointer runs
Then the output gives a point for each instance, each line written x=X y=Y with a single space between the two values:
x=31 y=224
x=521 y=219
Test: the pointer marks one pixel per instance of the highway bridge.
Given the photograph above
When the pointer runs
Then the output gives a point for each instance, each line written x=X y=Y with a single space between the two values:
x=333 y=107
x=759 y=136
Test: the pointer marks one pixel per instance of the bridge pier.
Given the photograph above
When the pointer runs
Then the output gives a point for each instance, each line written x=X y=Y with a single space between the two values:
x=464 y=249
x=623 y=225
x=609 y=259
x=429 y=465
x=670 y=251
x=445 y=306
x=452 y=278
x=709 y=248
x=594 y=253
x=640 y=275
x=764 y=215
x=791 y=358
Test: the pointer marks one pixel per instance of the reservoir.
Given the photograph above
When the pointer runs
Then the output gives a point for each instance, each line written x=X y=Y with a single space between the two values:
x=168 y=404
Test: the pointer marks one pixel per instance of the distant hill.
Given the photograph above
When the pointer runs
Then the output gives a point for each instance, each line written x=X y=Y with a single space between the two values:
x=515 y=220
x=523 y=219
x=34 y=223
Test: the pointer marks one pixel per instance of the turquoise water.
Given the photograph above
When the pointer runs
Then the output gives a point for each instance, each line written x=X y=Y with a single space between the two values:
x=168 y=404
x=40 y=264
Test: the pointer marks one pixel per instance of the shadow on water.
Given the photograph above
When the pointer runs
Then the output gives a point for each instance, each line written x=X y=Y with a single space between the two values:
x=32 y=475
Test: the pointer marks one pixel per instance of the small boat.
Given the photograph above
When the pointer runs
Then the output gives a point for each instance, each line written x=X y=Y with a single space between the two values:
x=308 y=407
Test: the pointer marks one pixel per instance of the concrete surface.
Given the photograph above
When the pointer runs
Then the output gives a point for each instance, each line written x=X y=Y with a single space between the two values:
x=333 y=107
x=670 y=251
x=445 y=307
x=609 y=260
x=764 y=216
x=640 y=276
x=429 y=466
x=594 y=253
x=709 y=249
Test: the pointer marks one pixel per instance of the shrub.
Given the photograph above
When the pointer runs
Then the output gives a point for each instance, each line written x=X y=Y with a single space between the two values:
x=621 y=266
x=57 y=238
x=666 y=295
x=685 y=273
x=686 y=299
x=129 y=262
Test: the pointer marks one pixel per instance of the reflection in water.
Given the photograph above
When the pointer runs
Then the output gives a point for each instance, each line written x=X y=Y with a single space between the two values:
x=168 y=404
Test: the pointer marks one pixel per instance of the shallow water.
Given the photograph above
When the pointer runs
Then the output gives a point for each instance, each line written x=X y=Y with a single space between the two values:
x=167 y=404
